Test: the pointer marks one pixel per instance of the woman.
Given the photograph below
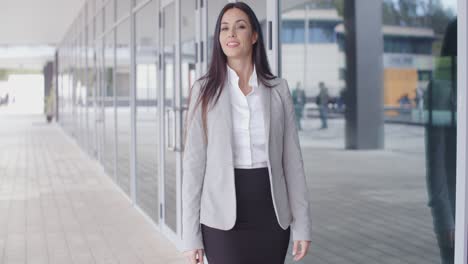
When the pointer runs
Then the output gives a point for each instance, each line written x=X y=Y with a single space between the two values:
x=243 y=190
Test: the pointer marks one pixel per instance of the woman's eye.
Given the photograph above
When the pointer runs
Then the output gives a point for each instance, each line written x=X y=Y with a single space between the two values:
x=224 y=29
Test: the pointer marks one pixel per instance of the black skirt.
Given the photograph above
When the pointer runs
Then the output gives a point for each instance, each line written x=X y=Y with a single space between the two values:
x=256 y=236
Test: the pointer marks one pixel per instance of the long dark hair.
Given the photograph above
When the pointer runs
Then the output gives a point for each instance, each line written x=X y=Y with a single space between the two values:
x=213 y=81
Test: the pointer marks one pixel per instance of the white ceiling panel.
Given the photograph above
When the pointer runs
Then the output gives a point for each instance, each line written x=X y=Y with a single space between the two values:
x=36 y=22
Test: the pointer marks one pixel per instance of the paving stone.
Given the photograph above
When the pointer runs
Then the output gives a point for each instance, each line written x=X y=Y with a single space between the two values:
x=58 y=207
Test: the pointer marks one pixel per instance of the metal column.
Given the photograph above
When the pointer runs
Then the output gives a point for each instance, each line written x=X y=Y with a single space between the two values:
x=364 y=74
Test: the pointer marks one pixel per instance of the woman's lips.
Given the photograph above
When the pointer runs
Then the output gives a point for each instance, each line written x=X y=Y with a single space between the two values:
x=232 y=44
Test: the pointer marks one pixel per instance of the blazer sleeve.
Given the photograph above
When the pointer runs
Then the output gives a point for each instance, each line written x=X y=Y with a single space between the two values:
x=194 y=160
x=293 y=166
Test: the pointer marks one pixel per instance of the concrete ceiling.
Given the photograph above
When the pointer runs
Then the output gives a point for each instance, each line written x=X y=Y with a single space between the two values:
x=36 y=22
x=30 y=30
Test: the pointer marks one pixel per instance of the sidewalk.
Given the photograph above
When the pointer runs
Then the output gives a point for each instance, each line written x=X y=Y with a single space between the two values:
x=58 y=206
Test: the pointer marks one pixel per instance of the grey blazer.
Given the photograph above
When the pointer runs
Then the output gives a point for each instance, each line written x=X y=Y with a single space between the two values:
x=208 y=191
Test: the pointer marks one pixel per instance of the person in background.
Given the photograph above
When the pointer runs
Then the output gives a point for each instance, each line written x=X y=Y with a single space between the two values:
x=299 y=99
x=341 y=100
x=419 y=102
x=404 y=101
x=322 y=103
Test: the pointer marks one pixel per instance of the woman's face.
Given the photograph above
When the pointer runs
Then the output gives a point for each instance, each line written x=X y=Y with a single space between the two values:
x=236 y=36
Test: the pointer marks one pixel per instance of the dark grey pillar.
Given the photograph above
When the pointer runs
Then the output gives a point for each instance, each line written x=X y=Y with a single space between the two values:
x=56 y=85
x=364 y=74
x=48 y=72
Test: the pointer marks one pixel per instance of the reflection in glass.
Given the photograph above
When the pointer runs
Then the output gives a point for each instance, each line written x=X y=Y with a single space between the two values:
x=373 y=207
x=99 y=22
x=81 y=91
x=122 y=79
x=137 y=2
x=147 y=121
x=123 y=8
x=170 y=208
x=312 y=67
x=91 y=5
x=188 y=54
x=110 y=15
x=91 y=91
x=214 y=7
x=100 y=99
x=259 y=8
x=109 y=113
x=74 y=99
x=441 y=143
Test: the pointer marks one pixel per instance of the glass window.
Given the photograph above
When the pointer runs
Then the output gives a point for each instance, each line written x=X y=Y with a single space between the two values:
x=298 y=34
x=214 y=8
x=375 y=198
x=91 y=4
x=147 y=114
x=286 y=34
x=122 y=79
x=123 y=8
x=137 y=2
x=341 y=42
x=423 y=46
x=109 y=104
x=110 y=14
x=81 y=90
x=259 y=7
x=408 y=45
x=99 y=23
x=169 y=102
x=424 y=75
x=91 y=90
x=436 y=105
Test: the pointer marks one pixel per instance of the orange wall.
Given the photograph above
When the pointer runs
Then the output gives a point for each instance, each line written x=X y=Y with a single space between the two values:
x=398 y=82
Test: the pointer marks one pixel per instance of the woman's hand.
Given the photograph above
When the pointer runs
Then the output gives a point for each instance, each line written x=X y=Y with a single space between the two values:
x=195 y=256
x=298 y=255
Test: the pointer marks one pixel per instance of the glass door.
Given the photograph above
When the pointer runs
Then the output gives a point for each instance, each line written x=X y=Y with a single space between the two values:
x=91 y=91
x=147 y=111
x=192 y=28
x=178 y=73
x=101 y=96
x=169 y=192
x=189 y=59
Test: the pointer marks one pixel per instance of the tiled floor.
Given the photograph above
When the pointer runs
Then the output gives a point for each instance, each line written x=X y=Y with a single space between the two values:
x=58 y=206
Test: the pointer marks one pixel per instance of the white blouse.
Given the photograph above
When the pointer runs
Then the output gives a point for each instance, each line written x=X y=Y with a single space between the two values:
x=248 y=127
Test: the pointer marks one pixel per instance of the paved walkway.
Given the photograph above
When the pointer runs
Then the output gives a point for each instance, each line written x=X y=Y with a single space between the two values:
x=368 y=206
x=58 y=206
